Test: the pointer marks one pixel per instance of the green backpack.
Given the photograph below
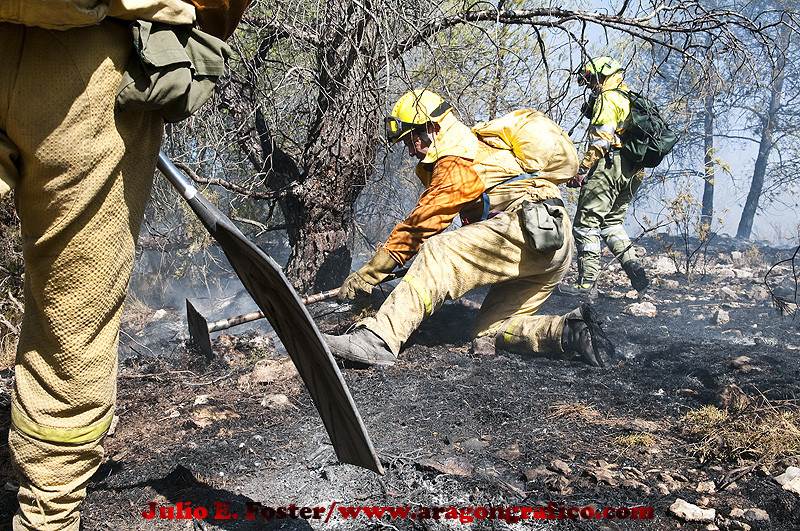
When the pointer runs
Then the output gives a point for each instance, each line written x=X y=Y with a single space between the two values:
x=648 y=138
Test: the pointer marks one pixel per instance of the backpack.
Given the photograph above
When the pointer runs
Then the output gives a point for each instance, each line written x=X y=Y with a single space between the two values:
x=538 y=144
x=648 y=138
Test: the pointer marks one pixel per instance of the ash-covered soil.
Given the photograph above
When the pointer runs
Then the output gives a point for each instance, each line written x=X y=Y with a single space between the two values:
x=457 y=424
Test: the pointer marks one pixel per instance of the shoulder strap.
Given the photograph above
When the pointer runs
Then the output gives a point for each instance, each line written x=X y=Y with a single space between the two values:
x=627 y=93
x=485 y=194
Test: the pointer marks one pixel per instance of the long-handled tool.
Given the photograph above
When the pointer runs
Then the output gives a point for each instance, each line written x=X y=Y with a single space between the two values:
x=199 y=328
x=271 y=291
x=224 y=324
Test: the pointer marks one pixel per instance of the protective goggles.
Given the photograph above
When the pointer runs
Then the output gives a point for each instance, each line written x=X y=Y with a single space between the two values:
x=396 y=128
x=583 y=77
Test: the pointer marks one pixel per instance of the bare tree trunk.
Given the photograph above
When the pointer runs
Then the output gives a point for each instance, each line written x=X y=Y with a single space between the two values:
x=707 y=212
x=765 y=146
x=757 y=184
x=340 y=152
x=322 y=233
x=317 y=189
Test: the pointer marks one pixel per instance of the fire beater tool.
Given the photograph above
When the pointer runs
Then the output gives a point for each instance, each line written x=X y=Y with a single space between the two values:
x=264 y=280
x=200 y=328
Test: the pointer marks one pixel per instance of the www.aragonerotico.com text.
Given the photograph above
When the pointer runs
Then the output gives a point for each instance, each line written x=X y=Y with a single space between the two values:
x=513 y=514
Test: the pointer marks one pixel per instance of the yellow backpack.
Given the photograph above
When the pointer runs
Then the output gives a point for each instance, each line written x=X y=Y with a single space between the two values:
x=537 y=142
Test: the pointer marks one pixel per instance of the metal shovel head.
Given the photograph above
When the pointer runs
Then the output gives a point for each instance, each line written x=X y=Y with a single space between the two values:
x=263 y=278
x=198 y=332
x=273 y=294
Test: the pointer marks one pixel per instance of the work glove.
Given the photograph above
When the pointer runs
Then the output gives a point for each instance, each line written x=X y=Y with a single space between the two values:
x=578 y=180
x=587 y=108
x=365 y=279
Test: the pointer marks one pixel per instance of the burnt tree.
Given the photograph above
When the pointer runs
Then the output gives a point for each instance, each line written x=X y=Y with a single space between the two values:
x=317 y=185
x=340 y=150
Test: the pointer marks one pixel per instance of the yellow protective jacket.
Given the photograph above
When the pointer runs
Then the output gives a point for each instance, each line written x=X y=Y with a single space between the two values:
x=217 y=17
x=66 y=14
x=610 y=118
x=456 y=171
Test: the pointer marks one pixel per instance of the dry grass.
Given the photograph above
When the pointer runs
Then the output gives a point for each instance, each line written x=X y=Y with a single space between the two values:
x=759 y=432
x=136 y=313
x=752 y=257
x=574 y=410
x=8 y=350
x=11 y=273
x=634 y=439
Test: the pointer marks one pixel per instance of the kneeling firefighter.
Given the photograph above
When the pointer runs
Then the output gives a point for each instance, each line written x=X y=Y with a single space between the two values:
x=515 y=236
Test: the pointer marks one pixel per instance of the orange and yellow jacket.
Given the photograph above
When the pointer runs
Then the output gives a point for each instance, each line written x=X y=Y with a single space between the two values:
x=457 y=170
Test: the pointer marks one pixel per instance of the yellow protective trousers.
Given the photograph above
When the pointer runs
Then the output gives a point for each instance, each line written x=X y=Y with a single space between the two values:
x=82 y=175
x=491 y=252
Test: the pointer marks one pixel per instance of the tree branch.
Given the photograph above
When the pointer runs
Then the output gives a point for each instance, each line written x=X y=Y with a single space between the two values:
x=234 y=187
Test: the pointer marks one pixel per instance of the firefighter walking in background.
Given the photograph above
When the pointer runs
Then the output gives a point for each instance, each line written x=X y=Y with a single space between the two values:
x=515 y=236
x=81 y=168
x=608 y=179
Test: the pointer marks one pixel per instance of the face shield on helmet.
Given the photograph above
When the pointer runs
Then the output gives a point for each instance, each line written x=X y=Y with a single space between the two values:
x=412 y=110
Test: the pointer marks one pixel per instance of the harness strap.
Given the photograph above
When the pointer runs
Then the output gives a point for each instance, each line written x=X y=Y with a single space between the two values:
x=485 y=194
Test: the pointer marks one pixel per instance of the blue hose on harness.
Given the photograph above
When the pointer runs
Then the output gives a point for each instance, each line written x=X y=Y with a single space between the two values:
x=485 y=194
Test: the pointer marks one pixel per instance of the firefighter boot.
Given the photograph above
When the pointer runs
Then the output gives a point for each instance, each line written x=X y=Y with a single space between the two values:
x=361 y=346
x=581 y=289
x=582 y=335
x=637 y=274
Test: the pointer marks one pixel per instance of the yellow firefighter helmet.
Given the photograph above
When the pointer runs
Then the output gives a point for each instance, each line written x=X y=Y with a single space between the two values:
x=598 y=69
x=414 y=108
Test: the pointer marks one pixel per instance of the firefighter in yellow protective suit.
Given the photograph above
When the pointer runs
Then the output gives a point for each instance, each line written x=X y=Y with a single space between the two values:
x=608 y=179
x=81 y=171
x=487 y=186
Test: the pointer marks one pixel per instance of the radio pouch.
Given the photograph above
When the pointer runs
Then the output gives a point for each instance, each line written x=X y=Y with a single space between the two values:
x=172 y=70
x=543 y=225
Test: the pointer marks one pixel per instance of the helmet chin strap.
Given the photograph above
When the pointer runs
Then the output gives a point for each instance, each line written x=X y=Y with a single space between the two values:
x=424 y=135
x=426 y=138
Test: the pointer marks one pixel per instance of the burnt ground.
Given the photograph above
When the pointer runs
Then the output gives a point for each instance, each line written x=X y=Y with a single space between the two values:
x=457 y=424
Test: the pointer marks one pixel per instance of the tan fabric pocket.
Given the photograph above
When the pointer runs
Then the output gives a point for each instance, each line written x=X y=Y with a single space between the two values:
x=172 y=70
x=53 y=15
